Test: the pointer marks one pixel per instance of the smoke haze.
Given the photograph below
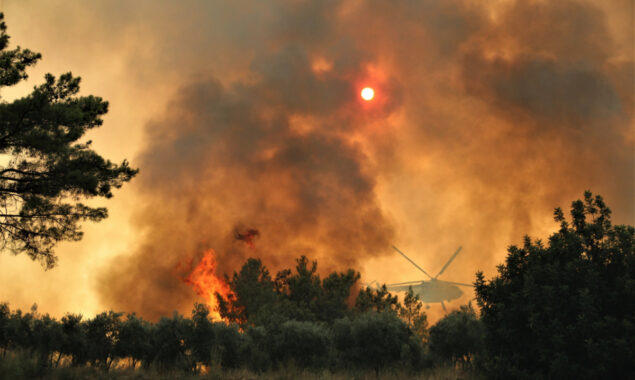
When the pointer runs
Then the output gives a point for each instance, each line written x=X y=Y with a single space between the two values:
x=246 y=115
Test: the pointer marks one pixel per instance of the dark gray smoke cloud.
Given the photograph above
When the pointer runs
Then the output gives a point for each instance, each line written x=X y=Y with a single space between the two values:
x=275 y=154
x=487 y=117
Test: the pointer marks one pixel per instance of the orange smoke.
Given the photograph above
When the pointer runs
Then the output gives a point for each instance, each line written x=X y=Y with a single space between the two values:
x=206 y=283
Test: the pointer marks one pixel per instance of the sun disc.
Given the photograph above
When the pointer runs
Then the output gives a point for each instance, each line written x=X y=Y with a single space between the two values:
x=368 y=93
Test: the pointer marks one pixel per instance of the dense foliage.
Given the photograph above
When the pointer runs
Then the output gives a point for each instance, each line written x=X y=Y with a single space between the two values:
x=371 y=341
x=297 y=319
x=457 y=338
x=259 y=299
x=565 y=309
x=50 y=166
x=561 y=310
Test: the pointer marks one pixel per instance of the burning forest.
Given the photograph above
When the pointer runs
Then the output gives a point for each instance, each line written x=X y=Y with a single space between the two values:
x=473 y=128
x=265 y=137
x=206 y=283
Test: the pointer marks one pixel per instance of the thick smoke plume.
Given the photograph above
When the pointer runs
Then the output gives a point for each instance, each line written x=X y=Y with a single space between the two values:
x=487 y=116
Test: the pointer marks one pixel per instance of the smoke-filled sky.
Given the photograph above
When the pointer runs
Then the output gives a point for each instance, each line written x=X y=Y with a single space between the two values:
x=246 y=115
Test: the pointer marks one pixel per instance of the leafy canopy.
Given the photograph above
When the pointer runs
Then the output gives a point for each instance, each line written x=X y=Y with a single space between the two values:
x=565 y=309
x=457 y=337
x=413 y=314
x=47 y=167
x=258 y=299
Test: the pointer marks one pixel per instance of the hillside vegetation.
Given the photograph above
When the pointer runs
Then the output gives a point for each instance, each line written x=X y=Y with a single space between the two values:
x=555 y=310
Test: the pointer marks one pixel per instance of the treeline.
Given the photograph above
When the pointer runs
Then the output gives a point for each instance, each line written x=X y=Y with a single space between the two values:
x=294 y=319
x=564 y=308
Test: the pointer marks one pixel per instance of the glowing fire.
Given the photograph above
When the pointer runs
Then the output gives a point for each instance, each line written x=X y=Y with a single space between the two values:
x=206 y=284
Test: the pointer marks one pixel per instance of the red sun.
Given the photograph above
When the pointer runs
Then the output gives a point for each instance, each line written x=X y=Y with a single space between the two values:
x=367 y=94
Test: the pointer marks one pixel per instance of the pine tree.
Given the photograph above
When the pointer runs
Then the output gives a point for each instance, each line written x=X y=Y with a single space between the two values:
x=49 y=167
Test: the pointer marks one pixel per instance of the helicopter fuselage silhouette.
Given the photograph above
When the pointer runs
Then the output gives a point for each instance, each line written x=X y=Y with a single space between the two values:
x=432 y=290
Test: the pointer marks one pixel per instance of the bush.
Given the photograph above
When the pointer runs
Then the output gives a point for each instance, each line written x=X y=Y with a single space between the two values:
x=258 y=349
x=168 y=349
x=306 y=344
x=457 y=338
x=134 y=340
x=375 y=341
x=102 y=333
x=565 y=309
x=231 y=345
x=74 y=339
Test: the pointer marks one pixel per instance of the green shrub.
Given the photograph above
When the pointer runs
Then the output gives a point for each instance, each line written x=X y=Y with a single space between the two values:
x=306 y=344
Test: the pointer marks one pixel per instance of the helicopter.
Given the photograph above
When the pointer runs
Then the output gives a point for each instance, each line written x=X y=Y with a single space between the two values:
x=433 y=290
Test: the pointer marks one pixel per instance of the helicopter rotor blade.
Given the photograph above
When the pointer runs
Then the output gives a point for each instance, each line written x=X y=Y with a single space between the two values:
x=448 y=263
x=411 y=262
x=406 y=283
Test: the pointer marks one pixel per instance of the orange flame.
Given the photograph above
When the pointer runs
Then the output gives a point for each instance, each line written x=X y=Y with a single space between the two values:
x=206 y=284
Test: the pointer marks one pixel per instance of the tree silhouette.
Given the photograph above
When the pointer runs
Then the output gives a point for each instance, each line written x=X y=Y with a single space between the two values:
x=168 y=348
x=19 y=329
x=50 y=167
x=332 y=302
x=5 y=314
x=412 y=313
x=47 y=339
x=375 y=341
x=102 y=335
x=305 y=343
x=230 y=345
x=203 y=335
x=133 y=340
x=74 y=339
x=457 y=337
x=252 y=288
x=376 y=299
x=299 y=295
x=565 y=309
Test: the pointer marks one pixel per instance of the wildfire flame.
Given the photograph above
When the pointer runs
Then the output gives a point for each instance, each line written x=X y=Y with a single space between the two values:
x=206 y=284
